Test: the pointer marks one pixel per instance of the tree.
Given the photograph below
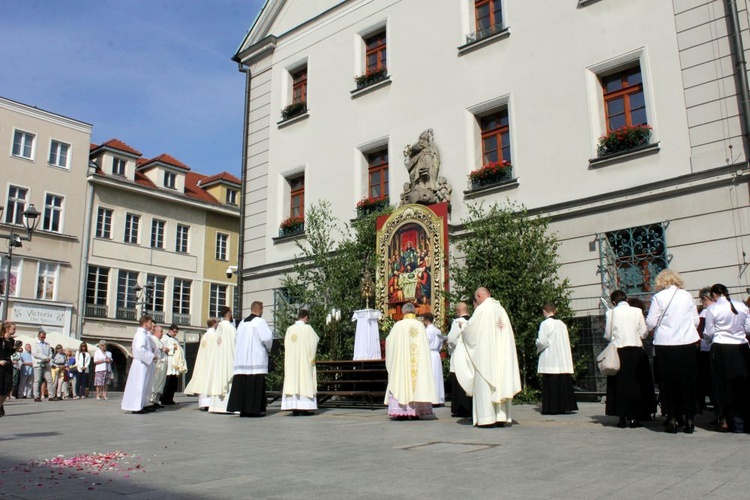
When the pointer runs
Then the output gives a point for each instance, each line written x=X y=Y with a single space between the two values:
x=513 y=255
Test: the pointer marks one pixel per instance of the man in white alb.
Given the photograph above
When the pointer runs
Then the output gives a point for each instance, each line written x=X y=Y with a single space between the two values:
x=203 y=369
x=435 y=339
x=300 y=381
x=460 y=402
x=143 y=357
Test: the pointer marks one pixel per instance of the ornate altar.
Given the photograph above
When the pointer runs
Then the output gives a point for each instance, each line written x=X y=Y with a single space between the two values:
x=412 y=260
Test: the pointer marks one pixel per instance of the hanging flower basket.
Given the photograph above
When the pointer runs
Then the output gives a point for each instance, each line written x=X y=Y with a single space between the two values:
x=371 y=77
x=367 y=206
x=623 y=139
x=291 y=226
x=296 y=109
x=491 y=173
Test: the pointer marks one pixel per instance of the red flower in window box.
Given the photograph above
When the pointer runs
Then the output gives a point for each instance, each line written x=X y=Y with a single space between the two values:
x=624 y=139
x=371 y=77
x=491 y=173
x=368 y=205
x=292 y=225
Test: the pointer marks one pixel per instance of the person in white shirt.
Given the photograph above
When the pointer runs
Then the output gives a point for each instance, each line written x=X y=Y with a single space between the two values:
x=727 y=327
x=435 y=339
x=102 y=370
x=42 y=353
x=460 y=402
x=674 y=319
x=83 y=364
x=705 y=384
x=555 y=364
x=630 y=393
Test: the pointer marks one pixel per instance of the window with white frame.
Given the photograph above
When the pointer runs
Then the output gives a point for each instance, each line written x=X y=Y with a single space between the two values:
x=104 y=223
x=156 y=297
x=53 y=213
x=157 y=233
x=170 y=178
x=231 y=197
x=16 y=204
x=217 y=299
x=132 y=221
x=15 y=276
x=58 y=154
x=97 y=283
x=222 y=242
x=118 y=167
x=126 y=283
x=46 y=288
x=181 y=245
x=23 y=144
x=493 y=147
x=181 y=296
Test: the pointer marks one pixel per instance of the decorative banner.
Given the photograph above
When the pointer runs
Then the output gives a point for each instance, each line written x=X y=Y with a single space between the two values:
x=411 y=253
x=38 y=315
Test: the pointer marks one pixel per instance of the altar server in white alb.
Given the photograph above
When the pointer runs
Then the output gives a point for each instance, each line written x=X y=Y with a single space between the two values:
x=555 y=364
x=460 y=402
x=219 y=383
x=491 y=348
x=203 y=363
x=133 y=399
x=160 y=372
x=300 y=380
x=254 y=342
x=435 y=339
x=411 y=386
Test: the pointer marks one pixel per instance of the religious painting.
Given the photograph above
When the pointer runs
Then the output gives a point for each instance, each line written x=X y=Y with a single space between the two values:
x=411 y=252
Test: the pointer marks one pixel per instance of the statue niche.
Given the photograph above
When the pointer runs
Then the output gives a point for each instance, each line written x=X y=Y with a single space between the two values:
x=422 y=161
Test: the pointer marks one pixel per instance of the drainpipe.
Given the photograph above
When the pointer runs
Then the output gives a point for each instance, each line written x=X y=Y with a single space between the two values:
x=85 y=256
x=243 y=191
x=741 y=65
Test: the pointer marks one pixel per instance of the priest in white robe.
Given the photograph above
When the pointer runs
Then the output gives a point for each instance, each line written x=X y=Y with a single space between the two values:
x=435 y=339
x=254 y=342
x=491 y=348
x=300 y=380
x=460 y=402
x=143 y=357
x=219 y=383
x=411 y=385
x=160 y=372
x=149 y=385
x=203 y=361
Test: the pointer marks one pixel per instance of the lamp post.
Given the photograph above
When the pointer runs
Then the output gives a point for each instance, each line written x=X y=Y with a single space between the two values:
x=30 y=222
x=142 y=294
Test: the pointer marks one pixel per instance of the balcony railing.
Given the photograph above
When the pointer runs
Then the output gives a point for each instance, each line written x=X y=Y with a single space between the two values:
x=485 y=32
x=128 y=313
x=158 y=316
x=180 y=319
x=96 y=311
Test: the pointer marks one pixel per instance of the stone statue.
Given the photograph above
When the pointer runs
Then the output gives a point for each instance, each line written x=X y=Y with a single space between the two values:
x=423 y=164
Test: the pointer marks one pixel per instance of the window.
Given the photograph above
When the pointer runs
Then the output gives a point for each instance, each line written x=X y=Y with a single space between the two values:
x=156 y=297
x=299 y=86
x=16 y=205
x=15 y=277
x=104 y=223
x=495 y=137
x=231 y=197
x=222 y=241
x=58 y=154
x=181 y=245
x=46 y=288
x=132 y=222
x=23 y=145
x=624 y=102
x=118 y=167
x=217 y=299
x=181 y=296
x=297 y=204
x=97 y=283
x=169 y=180
x=377 y=171
x=126 y=283
x=488 y=17
x=376 y=53
x=631 y=258
x=53 y=209
x=157 y=233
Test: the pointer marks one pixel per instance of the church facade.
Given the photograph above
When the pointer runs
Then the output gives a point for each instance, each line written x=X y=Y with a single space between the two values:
x=621 y=121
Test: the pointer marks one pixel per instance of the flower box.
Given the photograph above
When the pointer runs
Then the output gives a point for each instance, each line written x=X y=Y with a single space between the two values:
x=623 y=139
x=291 y=226
x=296 y=109
x=367 y=206
x=372 y=77
x=490 y=174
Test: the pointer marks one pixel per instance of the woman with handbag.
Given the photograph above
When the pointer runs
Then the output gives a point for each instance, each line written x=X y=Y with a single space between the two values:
x=630 y=393
x=727 y=326
x=674 y=319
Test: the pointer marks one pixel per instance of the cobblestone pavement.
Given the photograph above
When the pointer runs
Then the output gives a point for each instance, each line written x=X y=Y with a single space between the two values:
x=66 y=449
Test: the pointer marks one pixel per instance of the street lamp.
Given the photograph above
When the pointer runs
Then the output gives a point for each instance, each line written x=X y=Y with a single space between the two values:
x=143 y=292
x=30 y=222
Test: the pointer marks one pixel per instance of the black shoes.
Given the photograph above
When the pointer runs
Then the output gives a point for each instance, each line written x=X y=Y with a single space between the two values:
x=689 y=426
x=623 y=423
x=671 y=426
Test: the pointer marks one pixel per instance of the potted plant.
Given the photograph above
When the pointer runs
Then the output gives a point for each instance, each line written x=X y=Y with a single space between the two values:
x=292 y=225
x=491 y=173
x=368 y=205
x=294 y=109
x=623 y=139
x=371 y=77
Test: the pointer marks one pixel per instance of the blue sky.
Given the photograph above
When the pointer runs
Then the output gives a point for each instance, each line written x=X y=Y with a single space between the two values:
x=156 y=74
